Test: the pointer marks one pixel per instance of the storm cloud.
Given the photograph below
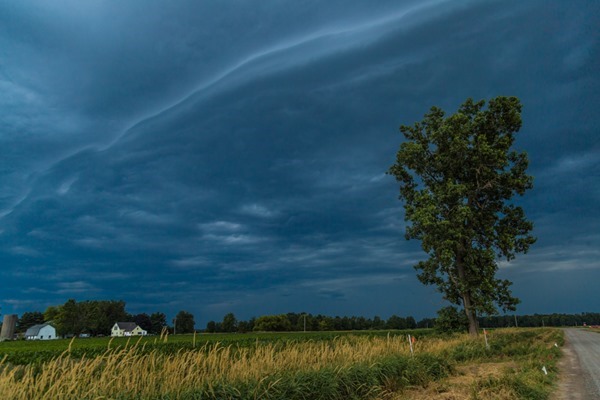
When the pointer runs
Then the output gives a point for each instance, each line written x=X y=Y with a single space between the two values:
x=230 y=156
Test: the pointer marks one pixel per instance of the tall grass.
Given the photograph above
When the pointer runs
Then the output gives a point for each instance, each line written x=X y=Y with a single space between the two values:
x=347 y=367
x=342 y=368
x=510 y=368
x=529 y=350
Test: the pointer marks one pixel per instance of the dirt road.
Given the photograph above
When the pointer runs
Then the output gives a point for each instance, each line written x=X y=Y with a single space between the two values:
x=580 y=367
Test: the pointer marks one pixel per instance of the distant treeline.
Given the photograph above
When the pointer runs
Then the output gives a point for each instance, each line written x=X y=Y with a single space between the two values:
x=296 y=322
x=309 y=322
x=96 y=317
x=300 y=322
x=535 y=320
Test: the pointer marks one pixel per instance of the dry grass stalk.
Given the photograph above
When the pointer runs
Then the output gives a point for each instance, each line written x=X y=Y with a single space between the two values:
x=131 y=371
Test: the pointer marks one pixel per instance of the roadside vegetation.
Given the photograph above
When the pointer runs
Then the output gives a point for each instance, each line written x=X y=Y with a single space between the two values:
x=289 y=366
x=511 y=368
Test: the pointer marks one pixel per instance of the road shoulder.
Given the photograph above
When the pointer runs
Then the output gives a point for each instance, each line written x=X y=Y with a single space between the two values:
x=571 y=384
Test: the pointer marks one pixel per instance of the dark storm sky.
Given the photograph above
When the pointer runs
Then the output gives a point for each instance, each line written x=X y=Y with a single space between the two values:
x=229 y=156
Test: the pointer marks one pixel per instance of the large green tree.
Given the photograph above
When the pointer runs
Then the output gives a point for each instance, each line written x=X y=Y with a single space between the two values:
x=458 y=175
x=68 y=321
x=111 y=311
x=92 y=316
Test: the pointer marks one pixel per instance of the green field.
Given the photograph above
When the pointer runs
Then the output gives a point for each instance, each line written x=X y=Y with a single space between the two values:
x=22 y=352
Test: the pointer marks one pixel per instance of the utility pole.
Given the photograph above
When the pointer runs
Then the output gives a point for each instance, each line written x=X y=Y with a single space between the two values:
x=516 y=323
x=305 y=323
x=174 y=325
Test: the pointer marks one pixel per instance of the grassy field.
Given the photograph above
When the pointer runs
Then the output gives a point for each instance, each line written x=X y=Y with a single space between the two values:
x=374 y=365
x=33 y=352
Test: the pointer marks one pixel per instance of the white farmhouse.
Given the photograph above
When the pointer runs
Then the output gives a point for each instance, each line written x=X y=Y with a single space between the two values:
x=127 y=329
x=41 y=332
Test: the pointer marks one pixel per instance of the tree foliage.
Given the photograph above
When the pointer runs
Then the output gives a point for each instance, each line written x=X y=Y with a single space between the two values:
x=450 y=319
x=29 y=319
x=184 y=322
x=457 y=177
x=275 y=323
x=229 y=323
x=93 y=316
x=295 y=322
x=143 y=321
x=158 y=321
x=211 y=327
x=51 y=313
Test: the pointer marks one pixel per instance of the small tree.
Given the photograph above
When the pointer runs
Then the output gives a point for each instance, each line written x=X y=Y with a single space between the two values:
x=211 y=327
x=229 y=323
x=457 y=178
x=277 y=323
x=184 y=322
x=244 y=326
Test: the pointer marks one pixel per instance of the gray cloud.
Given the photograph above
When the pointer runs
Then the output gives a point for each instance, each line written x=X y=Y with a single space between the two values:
x=231 y=156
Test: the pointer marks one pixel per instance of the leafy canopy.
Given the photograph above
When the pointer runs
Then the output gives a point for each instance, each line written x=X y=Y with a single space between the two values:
x=457 y=177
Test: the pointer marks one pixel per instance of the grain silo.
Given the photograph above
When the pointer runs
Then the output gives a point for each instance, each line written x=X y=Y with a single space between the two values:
x=8 y=327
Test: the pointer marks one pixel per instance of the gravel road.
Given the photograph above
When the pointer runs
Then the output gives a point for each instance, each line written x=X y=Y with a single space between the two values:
x=580 y=367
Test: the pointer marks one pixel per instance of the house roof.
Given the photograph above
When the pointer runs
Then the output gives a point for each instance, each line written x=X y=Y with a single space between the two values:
x=35 y=330
x=126 y=326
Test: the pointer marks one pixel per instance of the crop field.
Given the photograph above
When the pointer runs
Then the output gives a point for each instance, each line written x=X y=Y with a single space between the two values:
x=34 y=352
x=336 y=365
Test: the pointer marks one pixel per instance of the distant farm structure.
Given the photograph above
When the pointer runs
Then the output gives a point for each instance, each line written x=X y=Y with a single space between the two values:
x=9 y=325
x=41 y=332
x=127 y=329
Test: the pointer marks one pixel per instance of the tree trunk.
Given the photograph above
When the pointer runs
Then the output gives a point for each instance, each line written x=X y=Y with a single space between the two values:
x=466 y=294
x=471 y=317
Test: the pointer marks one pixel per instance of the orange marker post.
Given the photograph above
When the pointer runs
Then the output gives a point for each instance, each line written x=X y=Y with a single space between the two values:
x=487 y=345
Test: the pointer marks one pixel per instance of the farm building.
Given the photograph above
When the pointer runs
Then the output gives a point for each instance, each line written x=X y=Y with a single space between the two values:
x=8 y=327
x=127 y=329
x=41 y=332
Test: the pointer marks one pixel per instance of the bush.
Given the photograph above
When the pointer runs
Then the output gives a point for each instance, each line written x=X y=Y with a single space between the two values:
x=450 y=319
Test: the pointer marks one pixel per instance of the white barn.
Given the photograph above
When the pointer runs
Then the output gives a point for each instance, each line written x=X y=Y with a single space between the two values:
x=41 y=332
